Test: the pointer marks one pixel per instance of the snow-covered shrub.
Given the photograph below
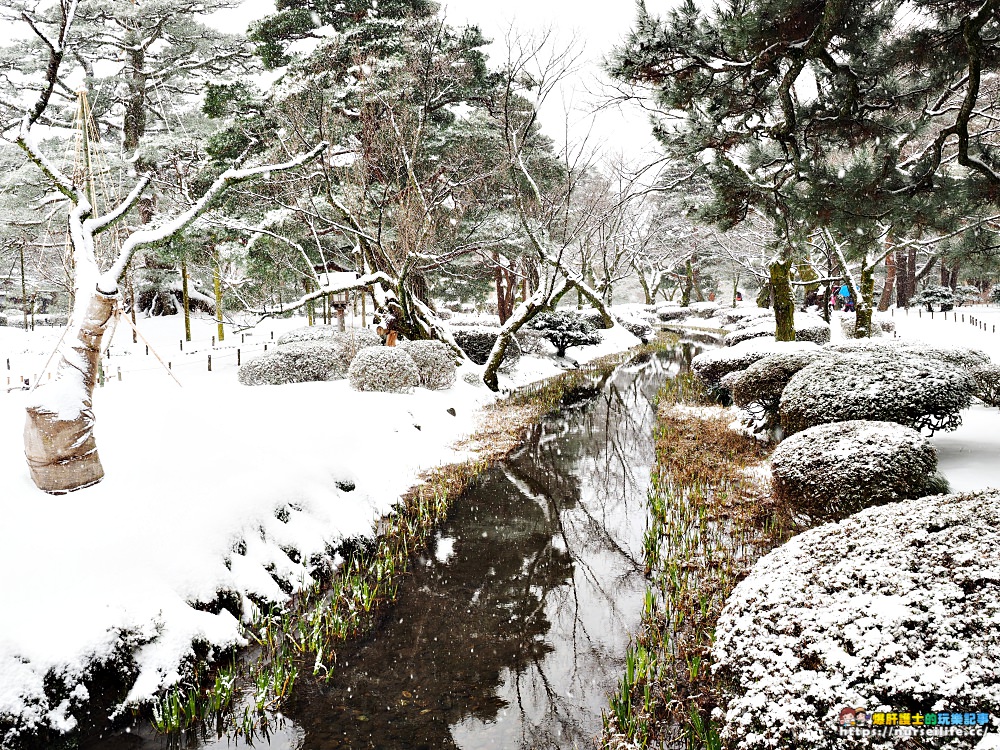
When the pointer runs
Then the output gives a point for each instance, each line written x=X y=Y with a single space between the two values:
x=477 y=342
x=388 y=369
x=933 y=296
x=299 y=362
x=712 y=365
x=812 y=328
x=846 y=466
x=355 y=338
x=885 y=325
x=672 y=311
x=534 y=342
x=743 y=315
x=967 y=294
x=807 y=328
x=758 y=388
x=849 y=324
x=435 y=363
x=959 y=356
x=590 y=314
x=638 y=328
x=891 y=385
x=987 y=384
x=565 y=329
x=896 y=608
x=760 y=329
x=704 y=309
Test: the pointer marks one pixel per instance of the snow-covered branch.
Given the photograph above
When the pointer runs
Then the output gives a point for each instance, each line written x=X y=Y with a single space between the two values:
x=109 y=280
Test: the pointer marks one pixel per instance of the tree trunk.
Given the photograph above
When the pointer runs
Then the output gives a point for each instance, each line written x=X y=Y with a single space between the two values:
x=186 y=300
x=890 y=282
x=217 y=284
x=59 y=440
x=688 y=284
x=784 y=299
x=953 y=278
x=863 y=309
x=903 y=273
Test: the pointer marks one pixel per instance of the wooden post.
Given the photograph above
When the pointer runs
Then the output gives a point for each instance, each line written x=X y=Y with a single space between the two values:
x=119 y=374
x=209 y=362
x=237 y=357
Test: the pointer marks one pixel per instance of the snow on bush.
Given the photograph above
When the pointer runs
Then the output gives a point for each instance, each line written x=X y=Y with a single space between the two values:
x=704 y=309
x=712 y=365
x=959 y=356
x=533 y=342
x=672 y=312
x=849 y=323
x=354 y=339
x=638 y=328
x=888 y=385
x=591 y=314
x=298 y=362
x=435 y=363
x=743 y=315
x=565 y=329
x=987 y=384
x=477 y=342
x=807 y=328
x=895 y=609
x=812 y=328
x=388 y=369
x=758 y=388
x=846 y=466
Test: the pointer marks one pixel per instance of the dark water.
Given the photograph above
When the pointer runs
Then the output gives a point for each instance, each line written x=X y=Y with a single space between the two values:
x=511 y=631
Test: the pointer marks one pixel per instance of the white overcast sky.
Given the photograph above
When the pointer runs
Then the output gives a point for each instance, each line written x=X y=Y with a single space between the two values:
x=597 y=26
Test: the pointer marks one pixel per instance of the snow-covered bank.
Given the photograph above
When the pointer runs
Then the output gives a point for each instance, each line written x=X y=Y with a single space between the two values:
x=209 y=488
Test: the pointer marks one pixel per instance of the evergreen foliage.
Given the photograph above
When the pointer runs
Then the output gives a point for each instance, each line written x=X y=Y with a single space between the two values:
x=565 y=329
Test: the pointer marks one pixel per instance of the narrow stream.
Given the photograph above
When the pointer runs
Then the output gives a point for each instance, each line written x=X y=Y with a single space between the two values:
x=512 y=629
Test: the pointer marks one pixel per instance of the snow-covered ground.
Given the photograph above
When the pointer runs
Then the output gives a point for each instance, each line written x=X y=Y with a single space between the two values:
x=206 y=483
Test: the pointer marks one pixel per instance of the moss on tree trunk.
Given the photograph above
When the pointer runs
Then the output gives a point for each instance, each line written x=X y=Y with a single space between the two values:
x=863 y=311
x=784 y=299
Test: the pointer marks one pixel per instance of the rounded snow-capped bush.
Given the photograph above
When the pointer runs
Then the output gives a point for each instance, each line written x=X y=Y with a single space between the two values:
x=477 y=343
x=435 y=363
x=712 y=365
x=842 y=467
x=743 y=316
x=896 y=608
x=638 y=328
x=761 y=328
x=533 y=342
x=812 y=328
x=388 y=369
x=667 y=313
x=987 y=383
x=764 y=380
x=565 y=329
x=888 y=385
x=307 y=333
x=704 y=309
x=807 y=328
x=591 y=314
x=299 y=362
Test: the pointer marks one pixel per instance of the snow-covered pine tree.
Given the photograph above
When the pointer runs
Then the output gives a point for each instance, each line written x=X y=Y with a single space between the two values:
x=831 y=116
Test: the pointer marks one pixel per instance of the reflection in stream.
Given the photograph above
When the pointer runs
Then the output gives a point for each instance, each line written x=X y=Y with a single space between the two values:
x=512 y=629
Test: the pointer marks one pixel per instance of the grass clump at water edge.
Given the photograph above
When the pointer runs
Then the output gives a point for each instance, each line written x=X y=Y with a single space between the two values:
x=709 y=520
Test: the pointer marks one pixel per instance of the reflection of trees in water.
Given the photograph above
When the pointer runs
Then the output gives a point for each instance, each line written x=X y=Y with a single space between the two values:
x=544 y=548
x=456 y=626
x=589 y=468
